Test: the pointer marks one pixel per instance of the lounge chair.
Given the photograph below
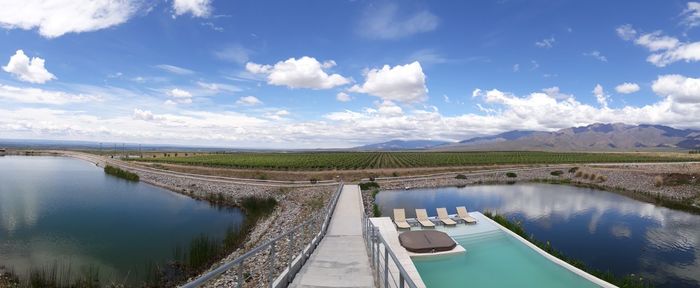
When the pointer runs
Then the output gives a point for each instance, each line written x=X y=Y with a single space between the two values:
x=442 y=215
x=422 y=217
x=464 y=215
x=400 y=219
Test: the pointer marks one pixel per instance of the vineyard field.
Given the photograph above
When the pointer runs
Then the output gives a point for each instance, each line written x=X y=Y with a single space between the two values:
x=390 y=160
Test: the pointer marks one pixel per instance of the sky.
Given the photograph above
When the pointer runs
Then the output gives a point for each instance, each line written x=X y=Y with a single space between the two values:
x=333 y=74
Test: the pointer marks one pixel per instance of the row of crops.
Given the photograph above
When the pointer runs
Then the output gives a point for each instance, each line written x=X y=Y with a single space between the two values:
x=379 y=160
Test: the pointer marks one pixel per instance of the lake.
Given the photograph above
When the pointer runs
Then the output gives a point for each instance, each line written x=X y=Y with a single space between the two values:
x=68 y=211
x=606 y=231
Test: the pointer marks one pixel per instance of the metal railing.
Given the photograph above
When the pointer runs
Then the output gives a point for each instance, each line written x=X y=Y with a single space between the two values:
x=276 y=262
x=386 y=267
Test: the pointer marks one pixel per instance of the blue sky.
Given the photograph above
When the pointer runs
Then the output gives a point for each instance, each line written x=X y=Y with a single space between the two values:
x=311 y=74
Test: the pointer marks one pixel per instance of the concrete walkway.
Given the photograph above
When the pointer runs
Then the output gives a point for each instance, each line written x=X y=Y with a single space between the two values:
x=341 y=258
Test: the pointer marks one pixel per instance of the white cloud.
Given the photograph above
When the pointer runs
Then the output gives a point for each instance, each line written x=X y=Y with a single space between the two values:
x=384 y=22
x=145 y=115
x=218 y=87
x=545 y=43
x=534 y=65
x=40 y=96
x=29 y=70
x=446 y=98
x=249 y=101
x=597 y=55
x=175 y=69
x=600 y=96
x=180 y=97
x=234 y=53
x=626 y=32
x=679 y=88
x=305 y=72
x=516 y=67
x=627 y=88
x=403 y=83
x=54 y=18
x=343 y=97
x=666 y=49
x=692 y=15
x=198 y=8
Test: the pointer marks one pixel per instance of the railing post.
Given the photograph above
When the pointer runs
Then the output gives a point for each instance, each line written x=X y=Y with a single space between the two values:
x=386 y=267
x=271 y=266
x=291 y=253
x=401 y=281
x=240 y=274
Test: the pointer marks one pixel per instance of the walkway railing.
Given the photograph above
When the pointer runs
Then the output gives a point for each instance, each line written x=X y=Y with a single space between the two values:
x=387 y=270
x=275 y=263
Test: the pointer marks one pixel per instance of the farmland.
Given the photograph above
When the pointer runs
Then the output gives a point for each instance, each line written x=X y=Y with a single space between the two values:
x=391 y=160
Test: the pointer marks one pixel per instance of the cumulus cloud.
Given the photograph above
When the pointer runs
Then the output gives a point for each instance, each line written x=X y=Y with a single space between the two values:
x=198 y=8
x=627 y=88
x=175 y=69
x=145 y=115
x=403 y=83
x=680 y=88
x=600 y=96
x=343 y=97
x=58 y=17
x=385 y=22
x=626 y=32
x=179 y=96
x=665 y=49
x=499 y=111
x=305 y=72
x=249 y=101
x=691 y=15
x=29 y=70
x=545 y=43
x=41 y=96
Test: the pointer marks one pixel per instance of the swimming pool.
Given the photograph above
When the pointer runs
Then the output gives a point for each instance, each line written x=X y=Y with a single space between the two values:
x=496 y=258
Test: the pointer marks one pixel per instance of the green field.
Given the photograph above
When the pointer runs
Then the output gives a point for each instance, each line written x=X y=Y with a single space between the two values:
x=382 y=160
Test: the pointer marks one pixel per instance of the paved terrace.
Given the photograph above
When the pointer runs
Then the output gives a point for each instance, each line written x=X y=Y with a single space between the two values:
x=341 y=258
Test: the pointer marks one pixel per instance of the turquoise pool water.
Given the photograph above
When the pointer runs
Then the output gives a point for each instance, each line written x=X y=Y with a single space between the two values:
x=493 y=259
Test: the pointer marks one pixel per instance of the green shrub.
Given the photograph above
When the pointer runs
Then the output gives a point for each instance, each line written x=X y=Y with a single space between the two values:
x=461 y=176
x=511 y=175
x=573 y=170
x=313 y=180
x=376 y=212
x=556 y=173
x=369 y=185
x=118 y=172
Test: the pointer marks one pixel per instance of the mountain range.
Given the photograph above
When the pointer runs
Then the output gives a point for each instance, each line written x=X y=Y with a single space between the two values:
x=594 y=137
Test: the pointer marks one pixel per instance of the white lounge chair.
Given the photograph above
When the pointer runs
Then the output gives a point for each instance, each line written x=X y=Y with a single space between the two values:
x=464 y=215
x=422 y=217
x=400 y=219
x=442 y=215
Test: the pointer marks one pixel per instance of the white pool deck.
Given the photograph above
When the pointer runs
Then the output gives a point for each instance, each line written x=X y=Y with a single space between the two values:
x=341 y=259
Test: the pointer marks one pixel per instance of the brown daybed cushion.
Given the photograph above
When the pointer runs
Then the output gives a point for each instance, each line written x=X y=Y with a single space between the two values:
x=426 y=241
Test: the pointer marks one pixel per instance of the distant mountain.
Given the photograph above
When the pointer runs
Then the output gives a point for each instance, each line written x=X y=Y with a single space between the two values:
x=510 y=135
x=402 y=145
x=593 y=137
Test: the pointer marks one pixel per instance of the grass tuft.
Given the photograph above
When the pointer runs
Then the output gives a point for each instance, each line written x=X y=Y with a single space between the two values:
x=118 y=172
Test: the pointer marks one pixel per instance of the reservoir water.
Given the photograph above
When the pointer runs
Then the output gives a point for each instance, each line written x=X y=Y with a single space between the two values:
x=68 y=211
x=607 y=231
